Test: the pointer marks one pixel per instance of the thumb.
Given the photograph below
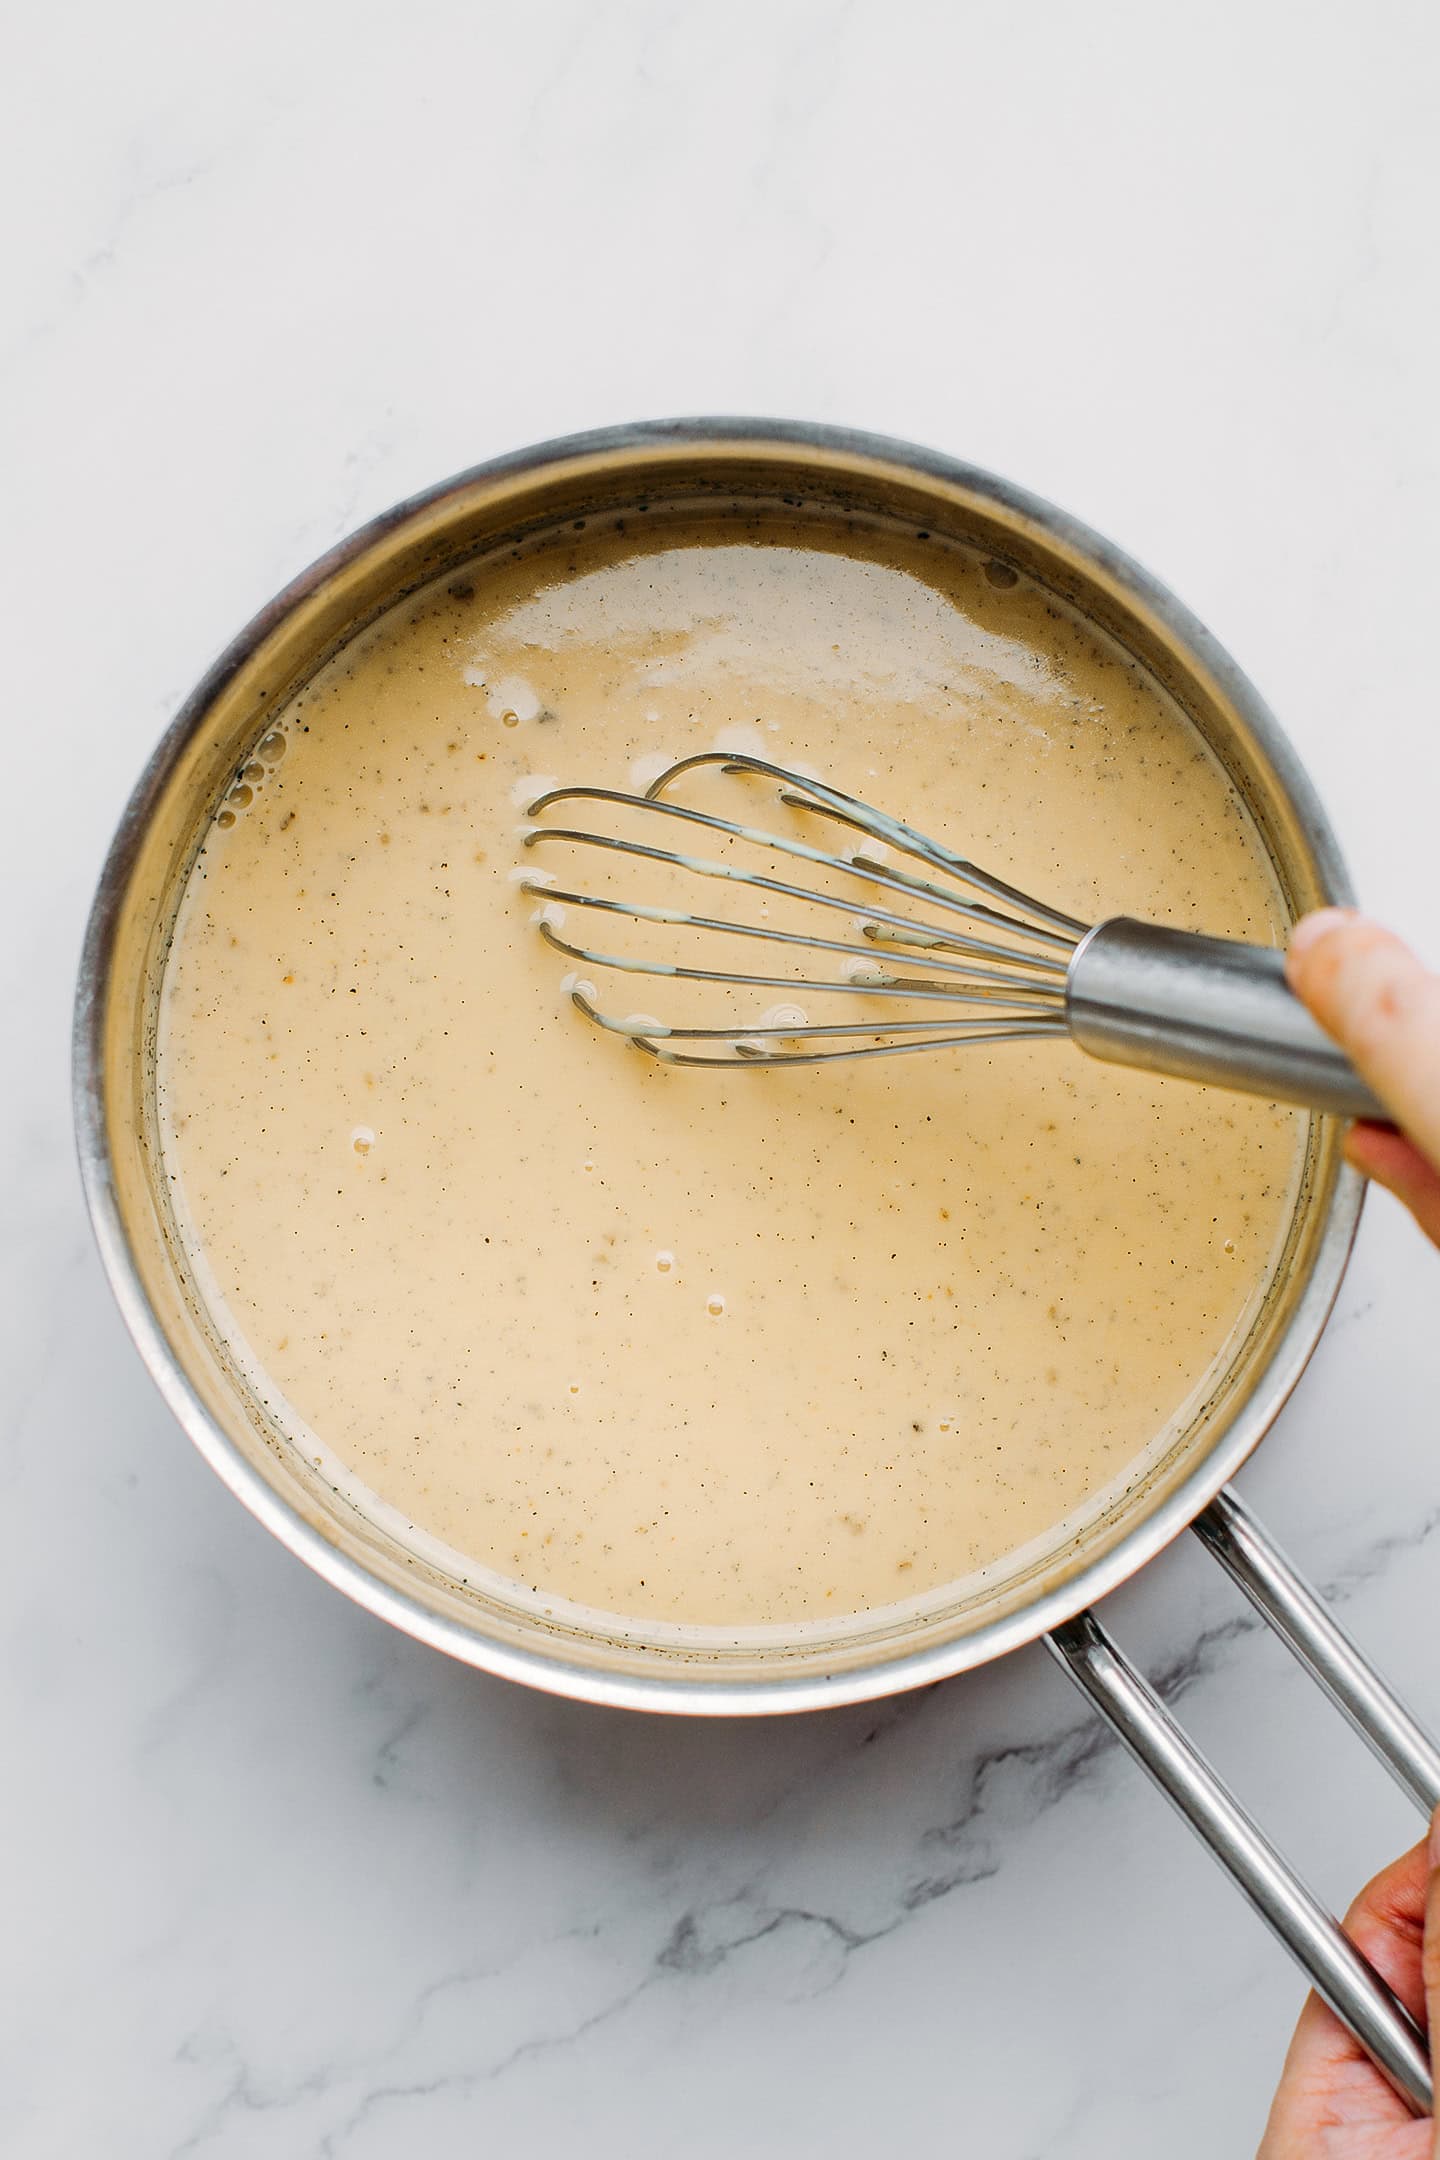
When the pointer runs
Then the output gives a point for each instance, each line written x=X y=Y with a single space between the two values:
x=1368 y=990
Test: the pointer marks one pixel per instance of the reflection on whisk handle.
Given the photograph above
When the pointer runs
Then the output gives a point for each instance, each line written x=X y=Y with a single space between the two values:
x=1206 y=1009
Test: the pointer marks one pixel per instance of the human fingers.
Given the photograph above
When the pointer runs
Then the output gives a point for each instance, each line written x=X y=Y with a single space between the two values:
x=1368 y=990
x=1331 y=2099
x=1394 y=1162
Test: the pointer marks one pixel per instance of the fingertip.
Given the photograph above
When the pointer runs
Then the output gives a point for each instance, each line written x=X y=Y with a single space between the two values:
x=1316 y=944
x=1389 y=1159
x=1382 y=1153
x=1319 y=923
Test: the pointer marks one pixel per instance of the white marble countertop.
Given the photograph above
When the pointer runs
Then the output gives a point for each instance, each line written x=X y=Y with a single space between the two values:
x=282 y=1884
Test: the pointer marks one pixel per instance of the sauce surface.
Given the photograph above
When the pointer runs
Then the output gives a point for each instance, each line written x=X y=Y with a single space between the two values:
x=730 y=1350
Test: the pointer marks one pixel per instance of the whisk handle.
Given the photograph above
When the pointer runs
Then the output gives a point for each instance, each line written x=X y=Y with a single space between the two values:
x=1207 y=1009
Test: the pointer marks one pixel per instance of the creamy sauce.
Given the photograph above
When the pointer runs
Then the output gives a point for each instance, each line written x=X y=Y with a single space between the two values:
x=719 y=1349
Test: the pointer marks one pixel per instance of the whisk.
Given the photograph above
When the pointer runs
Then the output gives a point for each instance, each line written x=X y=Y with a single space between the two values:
x=991 y=964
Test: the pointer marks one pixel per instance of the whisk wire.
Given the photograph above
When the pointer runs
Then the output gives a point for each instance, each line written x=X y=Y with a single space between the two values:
x=958 y=1030
x=884 y=987
x=965 y=971
x=872 y=873
x=879 y=824
x=746 y=1058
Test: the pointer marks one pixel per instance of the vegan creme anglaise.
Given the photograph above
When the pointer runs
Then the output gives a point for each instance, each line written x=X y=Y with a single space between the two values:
x=730 y=1350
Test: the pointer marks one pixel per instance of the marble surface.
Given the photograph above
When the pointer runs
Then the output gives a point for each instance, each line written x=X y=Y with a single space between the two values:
x=281 y=1885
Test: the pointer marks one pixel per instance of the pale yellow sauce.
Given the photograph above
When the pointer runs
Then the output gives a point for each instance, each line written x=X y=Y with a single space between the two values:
x=725 y=1349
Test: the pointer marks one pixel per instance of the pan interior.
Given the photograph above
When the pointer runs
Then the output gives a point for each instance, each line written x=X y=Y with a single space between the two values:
x=478 y=597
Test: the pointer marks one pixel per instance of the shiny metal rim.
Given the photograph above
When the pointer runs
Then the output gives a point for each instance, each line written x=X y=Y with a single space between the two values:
x=410 y=1612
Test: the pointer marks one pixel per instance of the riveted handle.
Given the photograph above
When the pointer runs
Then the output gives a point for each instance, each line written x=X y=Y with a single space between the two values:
x=1207 y=1009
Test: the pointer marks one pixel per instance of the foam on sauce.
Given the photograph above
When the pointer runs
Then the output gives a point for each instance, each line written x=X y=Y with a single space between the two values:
x=721 y=1349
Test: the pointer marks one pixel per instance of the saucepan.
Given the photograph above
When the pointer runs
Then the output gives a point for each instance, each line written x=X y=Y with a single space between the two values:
x=741 y=467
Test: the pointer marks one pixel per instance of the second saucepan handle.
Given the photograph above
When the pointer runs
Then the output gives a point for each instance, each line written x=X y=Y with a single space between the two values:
x=1283 y=1598
x=1206 y=1009
x=1336 y=1969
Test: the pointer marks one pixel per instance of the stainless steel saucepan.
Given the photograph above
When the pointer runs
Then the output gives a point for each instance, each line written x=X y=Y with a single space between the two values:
x=744 y=468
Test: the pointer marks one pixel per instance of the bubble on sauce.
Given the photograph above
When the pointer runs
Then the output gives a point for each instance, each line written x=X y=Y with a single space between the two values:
x=362 y=1139
x=1001 y=575
x=528 y=791
x=741 y=738
x=512 y=700
x=664 y=1262
x=225 y=818
x=242 y=795
x=715 y=1305
x=646 y=770
x=862 y=973
x=254 y=773
x=273 y=746
x=1229 y=1244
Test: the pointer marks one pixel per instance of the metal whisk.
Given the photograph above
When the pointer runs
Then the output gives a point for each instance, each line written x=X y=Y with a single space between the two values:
x=998 y=966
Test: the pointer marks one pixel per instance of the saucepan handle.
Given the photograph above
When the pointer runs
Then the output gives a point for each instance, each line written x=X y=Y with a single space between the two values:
x=1336 y=1970
x=1282 y=1597
x=1206 y=1009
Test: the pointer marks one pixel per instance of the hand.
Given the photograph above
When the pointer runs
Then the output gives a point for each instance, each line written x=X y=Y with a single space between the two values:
x=1382 y=1006
x=1332 y=2103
